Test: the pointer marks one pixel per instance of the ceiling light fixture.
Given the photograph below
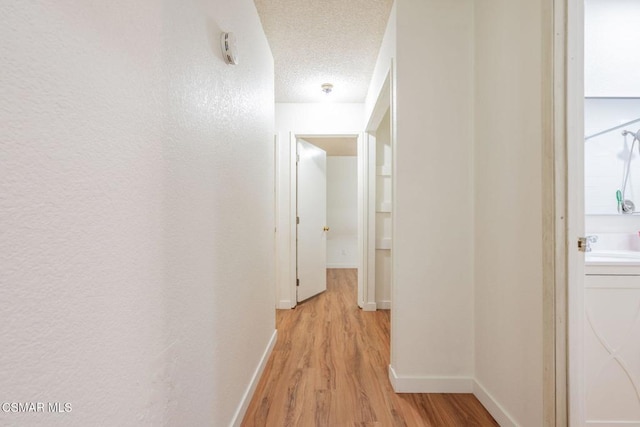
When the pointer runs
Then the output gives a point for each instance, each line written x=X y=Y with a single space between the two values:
x=327 y=88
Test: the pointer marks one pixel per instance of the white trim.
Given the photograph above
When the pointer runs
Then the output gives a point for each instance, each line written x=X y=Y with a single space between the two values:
x=370 y=284
x=285 y=284
x=363 y=237
x=555 y=246
x=554 y=202
x=382 y=104
x=369 y=306
x=575 y=209
x=426 y=384
x=305 y=135
x=251 y=388
x=383 y=244
x=342 y=265
x=394 y=191
x=362 y=208
x=284 y=304
x=366 y=226
x=491 y=404
x=384 y=207
x=384 y=305
x=276 y=211
x=293 y=152
x=600 y=423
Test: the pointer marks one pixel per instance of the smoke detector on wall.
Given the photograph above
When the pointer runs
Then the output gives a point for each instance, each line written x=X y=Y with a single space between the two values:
x=229 y=48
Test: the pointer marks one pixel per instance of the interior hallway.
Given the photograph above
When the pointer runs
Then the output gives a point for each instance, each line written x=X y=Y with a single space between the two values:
x=330 y=368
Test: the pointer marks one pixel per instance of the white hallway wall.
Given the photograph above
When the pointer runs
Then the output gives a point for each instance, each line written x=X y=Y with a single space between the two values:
x=467 y=301
x=128 y=149
x=310 y=118
x=432 y=294
x=508 y=206
x=342 y=211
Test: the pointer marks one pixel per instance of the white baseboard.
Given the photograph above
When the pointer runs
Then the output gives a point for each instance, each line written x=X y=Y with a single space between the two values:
x=251 y=388
x=491 y=404
x=342 y=265
x=613 y=423
x=414 y=384
x=384 y=305
x=369 y=306
x=284 y=304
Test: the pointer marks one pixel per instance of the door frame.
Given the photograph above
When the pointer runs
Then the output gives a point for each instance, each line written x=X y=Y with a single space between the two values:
x=563 y=175
x=575 y=210
x=363 y=190
x=384 y=102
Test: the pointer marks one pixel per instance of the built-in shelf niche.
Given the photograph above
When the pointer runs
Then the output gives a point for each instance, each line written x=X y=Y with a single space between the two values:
x=384 y=207
x=383 y=184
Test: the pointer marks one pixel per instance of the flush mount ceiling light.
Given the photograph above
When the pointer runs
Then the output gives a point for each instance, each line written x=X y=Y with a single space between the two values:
x=229 y=48
x=327 y=88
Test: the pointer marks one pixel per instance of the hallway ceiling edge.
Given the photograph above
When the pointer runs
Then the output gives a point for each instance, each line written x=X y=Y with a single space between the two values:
x=330 y=41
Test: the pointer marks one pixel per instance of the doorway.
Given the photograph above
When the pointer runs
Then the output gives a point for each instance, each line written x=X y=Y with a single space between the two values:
x=327 y=209
x=343 y=241
x=310 y=122
x=603 y=291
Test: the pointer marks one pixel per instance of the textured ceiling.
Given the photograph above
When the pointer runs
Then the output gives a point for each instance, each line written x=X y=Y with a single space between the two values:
x=323 y=41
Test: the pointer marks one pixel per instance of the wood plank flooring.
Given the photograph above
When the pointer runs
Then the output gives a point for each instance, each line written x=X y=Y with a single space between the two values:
x=329 y=368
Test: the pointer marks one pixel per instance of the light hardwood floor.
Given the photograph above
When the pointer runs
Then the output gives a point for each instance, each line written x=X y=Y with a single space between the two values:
x=329 y=368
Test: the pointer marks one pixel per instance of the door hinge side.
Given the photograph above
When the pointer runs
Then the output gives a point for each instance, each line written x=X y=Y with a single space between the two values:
x=297 y=220
x=297 y=282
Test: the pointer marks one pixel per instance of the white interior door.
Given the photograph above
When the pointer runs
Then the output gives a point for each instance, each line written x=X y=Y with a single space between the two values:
x=312 y=216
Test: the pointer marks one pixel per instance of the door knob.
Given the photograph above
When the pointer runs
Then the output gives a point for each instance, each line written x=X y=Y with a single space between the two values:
x=326 y=228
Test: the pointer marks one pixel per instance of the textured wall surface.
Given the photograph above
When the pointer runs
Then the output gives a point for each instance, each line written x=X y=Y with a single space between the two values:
x=131 y=285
